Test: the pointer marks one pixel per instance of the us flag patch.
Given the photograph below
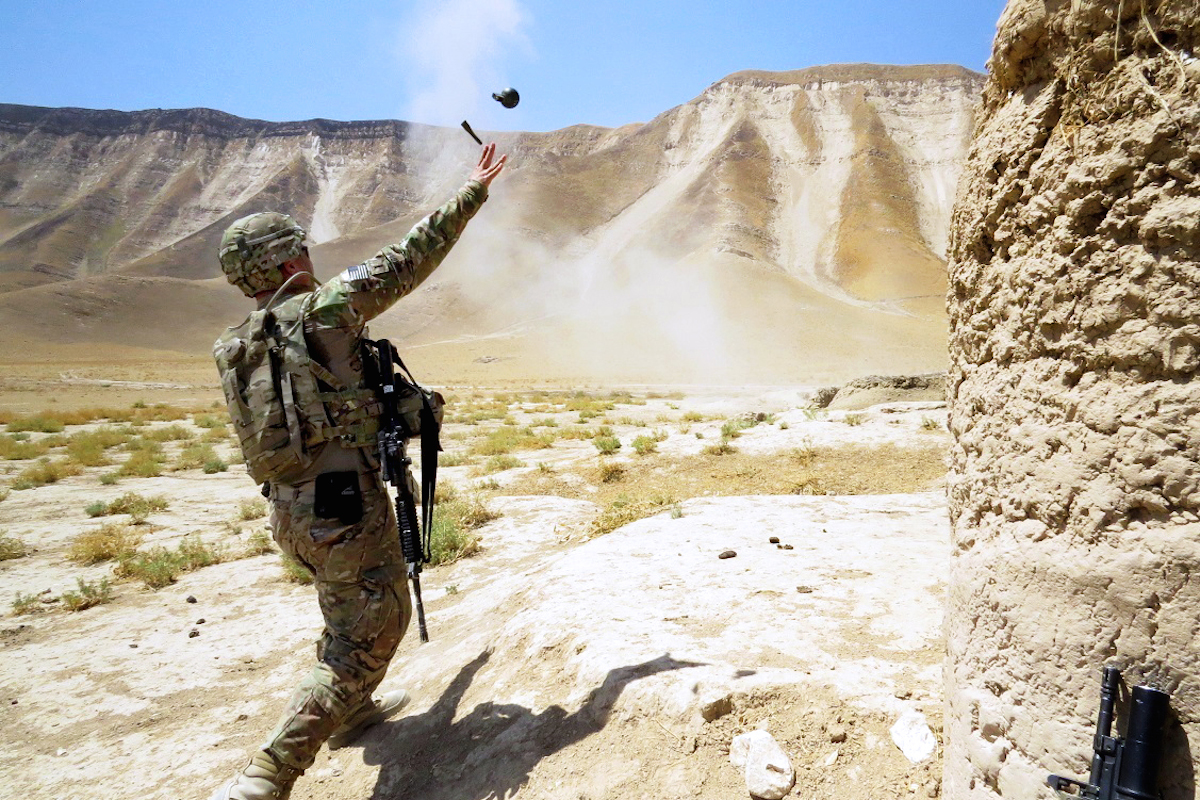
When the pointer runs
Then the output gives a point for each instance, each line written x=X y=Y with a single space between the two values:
x=358 y=273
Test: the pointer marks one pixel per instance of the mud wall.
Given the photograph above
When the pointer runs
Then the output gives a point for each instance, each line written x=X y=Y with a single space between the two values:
x=1074 y=307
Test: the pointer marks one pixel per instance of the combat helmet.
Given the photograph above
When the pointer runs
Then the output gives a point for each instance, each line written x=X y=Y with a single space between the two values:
x=253 y=248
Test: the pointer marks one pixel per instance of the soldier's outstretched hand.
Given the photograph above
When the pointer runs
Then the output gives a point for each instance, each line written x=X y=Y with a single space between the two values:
x=489 y=166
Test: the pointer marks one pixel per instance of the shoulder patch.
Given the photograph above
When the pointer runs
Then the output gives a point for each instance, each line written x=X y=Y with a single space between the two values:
x=357 y=273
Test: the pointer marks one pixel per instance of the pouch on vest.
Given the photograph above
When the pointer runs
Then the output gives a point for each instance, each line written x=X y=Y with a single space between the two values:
x=414 y=402
x=272 y=395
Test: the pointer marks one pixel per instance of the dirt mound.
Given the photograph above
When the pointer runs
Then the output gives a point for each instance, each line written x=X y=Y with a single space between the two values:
x=875 y=389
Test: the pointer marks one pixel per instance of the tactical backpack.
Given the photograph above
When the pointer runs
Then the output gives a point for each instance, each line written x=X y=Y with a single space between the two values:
x=284 y=405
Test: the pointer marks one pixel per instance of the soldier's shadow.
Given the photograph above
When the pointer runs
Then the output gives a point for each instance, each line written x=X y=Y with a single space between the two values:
x=489 y=752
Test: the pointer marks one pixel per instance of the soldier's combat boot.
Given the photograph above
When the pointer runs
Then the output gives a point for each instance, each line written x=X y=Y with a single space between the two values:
x=263 y=778
x=374 y=710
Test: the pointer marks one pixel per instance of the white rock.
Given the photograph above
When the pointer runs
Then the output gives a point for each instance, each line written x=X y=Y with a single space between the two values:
x=768 y=771
x=912 y=735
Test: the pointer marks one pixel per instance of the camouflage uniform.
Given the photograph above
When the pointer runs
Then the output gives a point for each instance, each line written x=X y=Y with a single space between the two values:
x=358 y=568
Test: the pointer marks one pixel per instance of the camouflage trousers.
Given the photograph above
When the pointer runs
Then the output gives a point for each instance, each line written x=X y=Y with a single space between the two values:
x=359 y=574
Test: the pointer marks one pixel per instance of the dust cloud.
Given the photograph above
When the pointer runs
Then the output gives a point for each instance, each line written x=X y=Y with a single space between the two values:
x=455 y=55
x=609 y=308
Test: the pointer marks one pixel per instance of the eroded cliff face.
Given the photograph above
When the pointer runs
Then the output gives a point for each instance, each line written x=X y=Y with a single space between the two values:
x=1074 y=305
x=838 y=179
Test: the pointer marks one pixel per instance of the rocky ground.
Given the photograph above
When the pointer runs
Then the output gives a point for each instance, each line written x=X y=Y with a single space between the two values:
x=596 y=646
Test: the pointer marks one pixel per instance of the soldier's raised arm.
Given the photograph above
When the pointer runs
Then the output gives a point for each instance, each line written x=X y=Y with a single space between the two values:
x=366 y=290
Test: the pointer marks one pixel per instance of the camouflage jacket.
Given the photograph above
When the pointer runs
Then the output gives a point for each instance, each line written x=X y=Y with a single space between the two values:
x=339 y=419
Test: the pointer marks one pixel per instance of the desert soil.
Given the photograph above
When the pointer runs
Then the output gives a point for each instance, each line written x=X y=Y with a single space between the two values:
x=565 y=661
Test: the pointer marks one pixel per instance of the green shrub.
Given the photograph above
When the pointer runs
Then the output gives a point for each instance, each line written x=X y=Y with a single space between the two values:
x=89 y=595
x=854 y=419
x=733 y=428
x=136 y=506
x=453 y=460
x=13 y=448
x=110 y=478
x=722 y=448
x=86 y=451
x=215 y=465
x=155 y=568
x=693 y=416
x=500 y=464
x=160 y=567
x=294 y=571
x=195 y=554
x=210 y=421
x=41 y=423
x=506 y=439
x=170 y=433
x=258 y=544
x=27 y=604
x=607 y=445
x=144 y=463
x=454 y=522
x=645 y=445
x=930 y=424
x=588 y=406
x=195 y=455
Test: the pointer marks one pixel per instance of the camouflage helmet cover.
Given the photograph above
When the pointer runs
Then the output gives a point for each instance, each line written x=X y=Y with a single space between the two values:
x=253 y=248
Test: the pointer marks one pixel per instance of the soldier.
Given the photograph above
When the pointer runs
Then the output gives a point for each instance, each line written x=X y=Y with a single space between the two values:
x=294 y=381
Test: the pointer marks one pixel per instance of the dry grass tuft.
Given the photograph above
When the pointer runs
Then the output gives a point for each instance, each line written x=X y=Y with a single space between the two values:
x=137 y=507
x=160 y=566
x=12 y=547
x=107 y=543
x=44 y=472
x=508 y=438
x=258 y=544
x=252 y=509
x=13 y=448
x=803 y=470
x=455 y=519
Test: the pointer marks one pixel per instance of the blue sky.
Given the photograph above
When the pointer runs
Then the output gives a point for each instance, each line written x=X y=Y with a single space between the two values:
x=603 y=63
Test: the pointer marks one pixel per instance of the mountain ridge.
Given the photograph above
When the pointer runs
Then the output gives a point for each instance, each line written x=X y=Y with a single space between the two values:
x=839 y=179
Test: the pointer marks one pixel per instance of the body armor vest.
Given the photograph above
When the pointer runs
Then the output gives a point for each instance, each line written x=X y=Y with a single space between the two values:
x=284 y=405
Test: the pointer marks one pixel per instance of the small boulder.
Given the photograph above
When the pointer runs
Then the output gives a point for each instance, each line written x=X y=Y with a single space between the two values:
x=768 y=771
x=713 y=708
x=912 y=735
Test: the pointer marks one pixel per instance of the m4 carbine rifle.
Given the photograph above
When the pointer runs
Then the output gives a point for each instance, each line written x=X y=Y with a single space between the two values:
x=409 y=411
x=1122 y=769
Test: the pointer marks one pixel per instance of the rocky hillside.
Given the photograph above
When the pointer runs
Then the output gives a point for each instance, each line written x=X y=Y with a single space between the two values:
x=833 y=184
